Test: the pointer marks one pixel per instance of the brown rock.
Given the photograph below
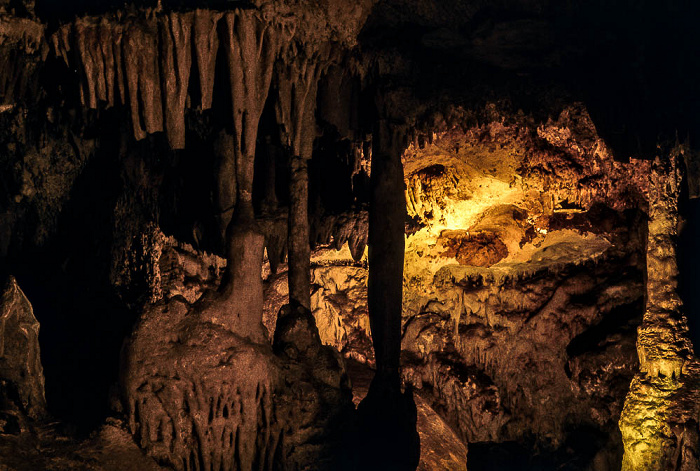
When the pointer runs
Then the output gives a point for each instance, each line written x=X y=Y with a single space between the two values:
x=482 y=249
x=21 y=373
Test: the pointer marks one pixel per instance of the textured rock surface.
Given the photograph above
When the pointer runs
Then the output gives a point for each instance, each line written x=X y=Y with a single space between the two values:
x=494 y=352
x=21 y=373
x=317 y=403
x=111 y=448
x=22 y=48
x=199 y=396
x=660 y=421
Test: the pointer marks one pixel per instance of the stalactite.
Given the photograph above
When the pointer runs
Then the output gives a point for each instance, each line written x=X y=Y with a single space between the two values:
x=106 y=42
x=117 y=51
x=251 y=49
x=269 y=200
x=22 y=47
x=206 y=44
x=176 y=63
x=61 y=41
x=225 y=155
x=275 y=229
x=297 y=85
x=87 y=44
x=140 y=43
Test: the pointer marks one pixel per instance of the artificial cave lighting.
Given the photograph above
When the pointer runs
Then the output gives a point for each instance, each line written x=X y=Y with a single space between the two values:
x=384 y=235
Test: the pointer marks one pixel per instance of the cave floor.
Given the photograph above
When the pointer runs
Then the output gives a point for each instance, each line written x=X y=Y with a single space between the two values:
x=111 y=448
x=440 y=448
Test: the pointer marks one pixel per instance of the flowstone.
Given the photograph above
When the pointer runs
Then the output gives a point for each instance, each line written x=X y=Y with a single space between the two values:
x=199 y=396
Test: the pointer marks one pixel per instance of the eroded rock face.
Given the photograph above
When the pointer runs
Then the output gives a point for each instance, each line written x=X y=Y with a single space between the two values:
x=496 y=353
x=21 y=373
x=482 y=249
x=317 y=402
x=199 y=396
x=523 y=283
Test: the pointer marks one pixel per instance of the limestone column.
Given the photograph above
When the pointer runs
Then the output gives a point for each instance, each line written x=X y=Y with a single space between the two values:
x=251 y=46
x=387 y=217
x=660 y=415
x=388 y=436
x=299 y=255
x=297 y=84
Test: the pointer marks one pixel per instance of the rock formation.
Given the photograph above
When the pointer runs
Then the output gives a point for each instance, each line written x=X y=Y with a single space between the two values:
x=659 y=422
x=21 y=373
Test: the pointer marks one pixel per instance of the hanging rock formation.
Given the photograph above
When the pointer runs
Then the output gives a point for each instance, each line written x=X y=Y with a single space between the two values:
x=297 y=84
x=202 y=386
x=228 y=411
x=22 y=48
x=176 y=37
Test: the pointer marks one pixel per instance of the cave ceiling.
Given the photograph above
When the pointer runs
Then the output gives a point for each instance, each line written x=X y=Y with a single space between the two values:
x=629 y=62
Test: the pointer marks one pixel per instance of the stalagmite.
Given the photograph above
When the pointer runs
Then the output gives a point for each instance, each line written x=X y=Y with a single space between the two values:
x=198 y=396
x=664 y=398
x=176 y=62
x=206 y=45
x=21 y=373
x=297 y=86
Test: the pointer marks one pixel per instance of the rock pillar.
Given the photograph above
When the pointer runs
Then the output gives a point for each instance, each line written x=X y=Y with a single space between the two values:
x=297 y=84
x=387 y=415
x=659 y=422
x=387 y=218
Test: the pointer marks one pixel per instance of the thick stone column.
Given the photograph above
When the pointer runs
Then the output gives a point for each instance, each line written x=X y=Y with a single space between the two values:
x=251 y=50
x=660 y=419
x=387 y=218
x=388 y=436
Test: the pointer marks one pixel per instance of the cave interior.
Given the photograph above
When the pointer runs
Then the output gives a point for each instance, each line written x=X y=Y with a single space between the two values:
x=367 y=235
